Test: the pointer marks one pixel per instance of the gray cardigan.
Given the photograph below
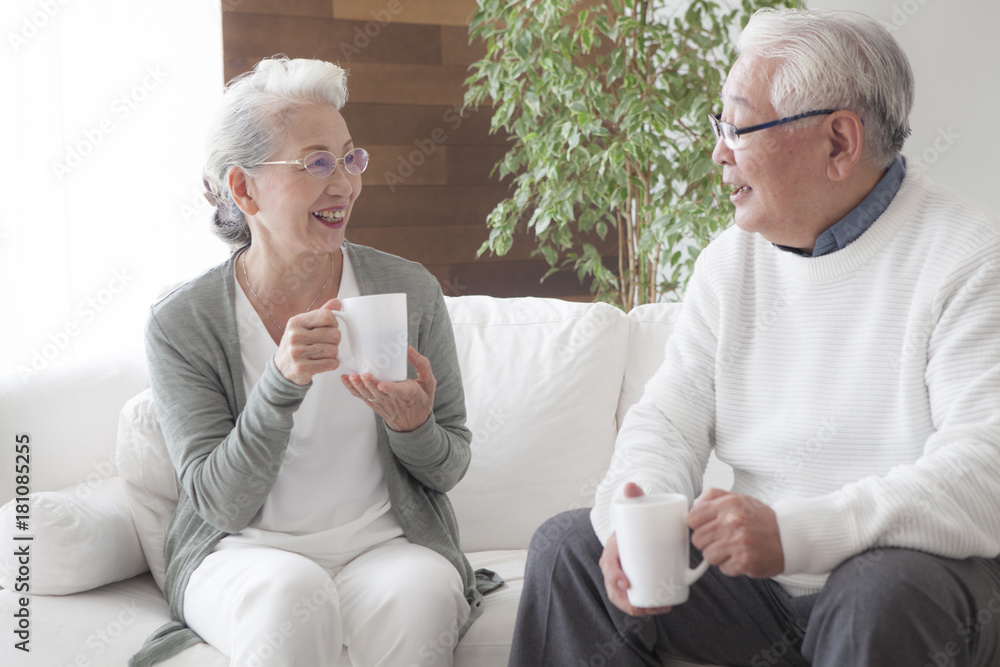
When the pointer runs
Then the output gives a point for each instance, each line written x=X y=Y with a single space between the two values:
x=227 y=447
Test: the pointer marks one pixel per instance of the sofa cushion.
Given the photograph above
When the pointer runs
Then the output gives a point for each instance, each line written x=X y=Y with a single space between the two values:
x=82 y=538
x=649 y=327
x=542 y=379
x=71 y=413
x=148 y=478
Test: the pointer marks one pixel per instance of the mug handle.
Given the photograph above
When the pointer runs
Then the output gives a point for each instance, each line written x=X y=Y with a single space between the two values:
x=691 y=576
x=343 y=364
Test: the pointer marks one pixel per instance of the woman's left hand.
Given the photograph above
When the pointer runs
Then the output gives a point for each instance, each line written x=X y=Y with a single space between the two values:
x=403 y=405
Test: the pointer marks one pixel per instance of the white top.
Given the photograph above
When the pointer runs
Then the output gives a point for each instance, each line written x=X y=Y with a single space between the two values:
x=329 y=501
x=857 y=394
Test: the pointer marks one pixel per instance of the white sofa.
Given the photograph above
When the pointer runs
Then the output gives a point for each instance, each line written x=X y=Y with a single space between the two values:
x=547 y=384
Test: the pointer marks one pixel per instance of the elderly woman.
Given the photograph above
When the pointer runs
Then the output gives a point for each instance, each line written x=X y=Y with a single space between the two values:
x=312 y=511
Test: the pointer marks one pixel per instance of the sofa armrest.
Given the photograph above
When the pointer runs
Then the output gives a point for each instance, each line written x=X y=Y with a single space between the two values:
x=73 y=540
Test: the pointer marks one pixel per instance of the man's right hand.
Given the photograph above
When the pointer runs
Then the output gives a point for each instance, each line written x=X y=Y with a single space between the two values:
x=615 y=582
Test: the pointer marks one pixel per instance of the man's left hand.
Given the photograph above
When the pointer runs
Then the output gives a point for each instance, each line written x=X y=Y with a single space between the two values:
x=737 y=533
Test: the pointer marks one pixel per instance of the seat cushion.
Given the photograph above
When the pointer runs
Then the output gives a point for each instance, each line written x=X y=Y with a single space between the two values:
x=488 y=640
x=104 y=626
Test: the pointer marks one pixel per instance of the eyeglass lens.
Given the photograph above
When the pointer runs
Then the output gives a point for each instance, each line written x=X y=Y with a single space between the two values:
x=323 y=163
x=726 y=132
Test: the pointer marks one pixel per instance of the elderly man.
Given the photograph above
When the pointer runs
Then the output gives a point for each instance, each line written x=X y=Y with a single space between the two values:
x=840 y=348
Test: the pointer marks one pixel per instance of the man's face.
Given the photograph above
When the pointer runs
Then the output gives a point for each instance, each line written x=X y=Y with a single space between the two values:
x=777 y=174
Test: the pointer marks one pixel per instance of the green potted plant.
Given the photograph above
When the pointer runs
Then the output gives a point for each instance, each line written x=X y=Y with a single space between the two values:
x=606 y=103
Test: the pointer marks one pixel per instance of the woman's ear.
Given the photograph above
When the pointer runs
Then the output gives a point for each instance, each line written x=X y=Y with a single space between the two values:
x=241 y=186
x=847 y=137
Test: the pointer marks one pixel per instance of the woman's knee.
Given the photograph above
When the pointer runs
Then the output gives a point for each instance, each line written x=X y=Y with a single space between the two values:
x=412 y=612
x=301 y=609
x=262 y=608
x=428 y=585
x=296 y=594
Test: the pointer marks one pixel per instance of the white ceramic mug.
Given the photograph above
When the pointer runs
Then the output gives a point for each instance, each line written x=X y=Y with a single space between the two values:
x=652 y=535
x=376 y=329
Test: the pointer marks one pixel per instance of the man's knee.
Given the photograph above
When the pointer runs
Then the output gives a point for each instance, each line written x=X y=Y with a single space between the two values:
x=890 y=587
x=571 y=529
x=893 y=601
x=894 y=578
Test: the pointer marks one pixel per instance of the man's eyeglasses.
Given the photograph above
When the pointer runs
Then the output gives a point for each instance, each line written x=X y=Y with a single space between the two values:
x=731 y=134
x=323 y=163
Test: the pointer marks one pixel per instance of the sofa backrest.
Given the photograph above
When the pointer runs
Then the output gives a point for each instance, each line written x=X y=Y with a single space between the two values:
x=650 y=326
x=542 y=382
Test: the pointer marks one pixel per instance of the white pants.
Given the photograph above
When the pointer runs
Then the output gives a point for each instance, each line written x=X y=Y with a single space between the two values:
x=396 y=605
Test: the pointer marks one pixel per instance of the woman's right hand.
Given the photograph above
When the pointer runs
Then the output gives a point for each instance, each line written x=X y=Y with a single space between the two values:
x=309 y=345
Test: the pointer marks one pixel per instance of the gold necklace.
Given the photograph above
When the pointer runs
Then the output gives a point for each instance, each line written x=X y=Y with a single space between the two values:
x=264 y=308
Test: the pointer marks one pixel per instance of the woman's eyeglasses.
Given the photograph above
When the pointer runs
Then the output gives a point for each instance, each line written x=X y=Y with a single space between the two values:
x=322 y=164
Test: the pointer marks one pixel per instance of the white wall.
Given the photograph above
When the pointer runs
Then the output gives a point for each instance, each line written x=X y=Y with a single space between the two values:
x=952 y=46
x=104 y=109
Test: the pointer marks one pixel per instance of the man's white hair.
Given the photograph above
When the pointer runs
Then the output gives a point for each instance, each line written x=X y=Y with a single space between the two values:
x=836 y=60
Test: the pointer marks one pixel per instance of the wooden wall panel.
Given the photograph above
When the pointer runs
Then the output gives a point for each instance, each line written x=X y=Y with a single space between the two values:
x=421 y=206
x=434 y=12
x=456 y=48
x=321 y=8
x=343 y=42
x=438 y=245
x=415 y=124
x=403 y=83
x=429 y=187
x=399 y=166
x=508 y=279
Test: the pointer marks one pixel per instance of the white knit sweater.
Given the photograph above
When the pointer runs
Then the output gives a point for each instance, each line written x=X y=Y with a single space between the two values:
x=857 y=393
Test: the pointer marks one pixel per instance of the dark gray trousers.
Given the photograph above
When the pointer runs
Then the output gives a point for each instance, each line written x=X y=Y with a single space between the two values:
x=882 y=608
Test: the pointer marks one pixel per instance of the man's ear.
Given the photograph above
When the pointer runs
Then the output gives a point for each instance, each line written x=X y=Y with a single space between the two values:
x=242 y=188
x=845 y=132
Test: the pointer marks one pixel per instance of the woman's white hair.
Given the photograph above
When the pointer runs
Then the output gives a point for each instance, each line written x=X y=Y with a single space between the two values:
x=248 y=128
x=836 y=60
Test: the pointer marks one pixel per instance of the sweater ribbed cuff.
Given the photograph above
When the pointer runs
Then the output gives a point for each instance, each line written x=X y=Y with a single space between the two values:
x=815 y=534
x=422 y=447
x=278 y=390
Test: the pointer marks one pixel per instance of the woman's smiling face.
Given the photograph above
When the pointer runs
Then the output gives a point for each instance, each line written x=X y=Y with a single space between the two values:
x=296 y=210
